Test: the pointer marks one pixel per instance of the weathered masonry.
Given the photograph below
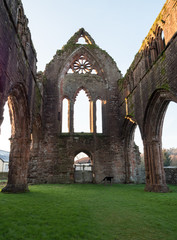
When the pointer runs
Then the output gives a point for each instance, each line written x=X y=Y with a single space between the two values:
x=41 y=152
x=17 y=81
x=79 y=67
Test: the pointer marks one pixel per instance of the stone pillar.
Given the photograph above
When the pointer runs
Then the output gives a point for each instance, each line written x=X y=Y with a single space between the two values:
x=91 y=117
x=155 y=175
x=71 y=117
x=104 y=117
x=18 y=166
x=94 y=117
x=153 y=50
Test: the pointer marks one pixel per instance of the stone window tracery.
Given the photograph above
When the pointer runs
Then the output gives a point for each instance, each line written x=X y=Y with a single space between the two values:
x=82 y=66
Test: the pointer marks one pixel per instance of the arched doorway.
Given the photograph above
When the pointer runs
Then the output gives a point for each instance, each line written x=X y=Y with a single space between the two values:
x=83 y=168
x=20 y=140
x=133 y=159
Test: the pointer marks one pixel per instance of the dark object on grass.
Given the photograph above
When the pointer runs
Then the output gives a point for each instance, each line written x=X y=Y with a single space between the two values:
x=107 y=179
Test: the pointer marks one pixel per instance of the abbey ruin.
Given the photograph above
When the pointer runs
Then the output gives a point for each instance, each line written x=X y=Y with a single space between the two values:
x=40 y=151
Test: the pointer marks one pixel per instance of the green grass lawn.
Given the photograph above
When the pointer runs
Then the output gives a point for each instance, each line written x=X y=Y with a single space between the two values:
x=88 y=212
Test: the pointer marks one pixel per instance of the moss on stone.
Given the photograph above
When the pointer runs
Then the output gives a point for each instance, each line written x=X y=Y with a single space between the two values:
x=120 y=83
x=165 y=86
x=163 y=56
x=163 y=71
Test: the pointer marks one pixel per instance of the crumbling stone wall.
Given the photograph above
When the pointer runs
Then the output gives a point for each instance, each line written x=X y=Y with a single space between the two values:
x=149 y=85
x=35 y=102
x=59 y=149
x=17 y=80
x=56 y=164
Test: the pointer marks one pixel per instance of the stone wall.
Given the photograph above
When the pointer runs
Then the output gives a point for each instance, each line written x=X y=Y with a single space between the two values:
x=149 y=86
x=17 y=81
x=35 y=102
x=171 y=175
x=53 y=159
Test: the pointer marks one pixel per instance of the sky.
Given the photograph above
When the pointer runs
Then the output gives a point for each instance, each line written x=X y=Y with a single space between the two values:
x=117 y=26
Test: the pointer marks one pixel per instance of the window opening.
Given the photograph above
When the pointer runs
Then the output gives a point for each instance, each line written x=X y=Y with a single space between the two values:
x=137 y=166
x=82 y=162
x=99 y=126
x=70 y=71
x=5 y=134
x=162 y=35
x=81 y=40
x=169 y=136
x=138 y=139
x=82 y=66
x=5 y=130
x=81 y=113
x=94 y=71
x=65 y=115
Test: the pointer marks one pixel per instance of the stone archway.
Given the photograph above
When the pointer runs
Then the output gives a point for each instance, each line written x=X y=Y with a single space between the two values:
x=152 y=135
x=131 y=153
x=20 y=140
x=83 y=167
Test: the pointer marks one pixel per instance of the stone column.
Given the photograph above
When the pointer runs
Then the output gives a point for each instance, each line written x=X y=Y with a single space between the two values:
x=155 y=175
x=91 y=117
x=71 y=117
x=18 y=166
x=94 y=117
x=153 y=51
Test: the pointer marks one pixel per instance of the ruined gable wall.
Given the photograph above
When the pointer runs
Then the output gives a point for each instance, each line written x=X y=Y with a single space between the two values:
x=58 y=150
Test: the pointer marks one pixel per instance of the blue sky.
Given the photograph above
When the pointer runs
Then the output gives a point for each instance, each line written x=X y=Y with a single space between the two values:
x=117 y=26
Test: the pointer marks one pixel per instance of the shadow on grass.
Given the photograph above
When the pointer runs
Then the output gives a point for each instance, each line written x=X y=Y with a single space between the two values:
x=89 y=212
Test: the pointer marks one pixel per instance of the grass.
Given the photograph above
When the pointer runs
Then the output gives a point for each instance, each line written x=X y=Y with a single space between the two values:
x=88 y=212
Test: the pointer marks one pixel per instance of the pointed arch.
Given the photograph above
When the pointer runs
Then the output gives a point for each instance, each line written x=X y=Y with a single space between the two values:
x=83 y=167
x=82 y=114
x=81 y=33
x=86 y=151
x=85 y=90
x=20 y=140
x=160 y=39
x=152 y=134
x=75 y=56
x=127 y=133
x=65 y=115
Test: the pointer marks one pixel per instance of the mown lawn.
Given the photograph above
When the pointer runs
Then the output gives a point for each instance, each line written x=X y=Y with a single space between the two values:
x=88 y=212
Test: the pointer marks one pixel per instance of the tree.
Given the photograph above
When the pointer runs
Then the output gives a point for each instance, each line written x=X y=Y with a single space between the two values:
x=166 y=157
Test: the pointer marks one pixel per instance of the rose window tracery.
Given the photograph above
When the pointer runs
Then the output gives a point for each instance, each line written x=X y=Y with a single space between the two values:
x=82 y=65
